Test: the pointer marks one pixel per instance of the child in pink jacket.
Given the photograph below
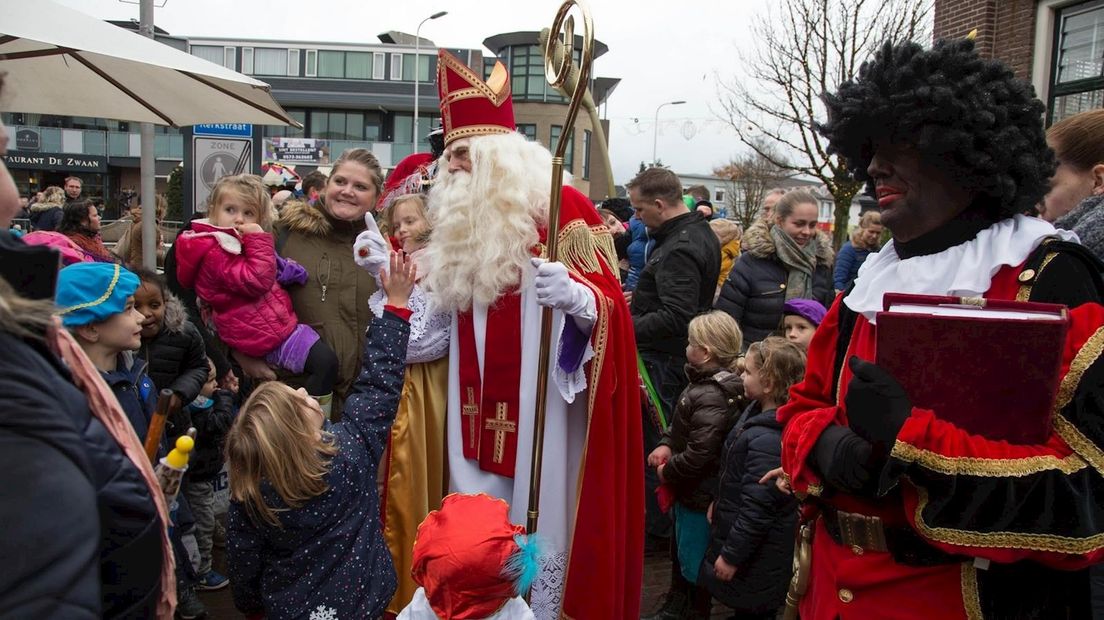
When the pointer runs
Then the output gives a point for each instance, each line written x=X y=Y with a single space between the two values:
x=230 y=260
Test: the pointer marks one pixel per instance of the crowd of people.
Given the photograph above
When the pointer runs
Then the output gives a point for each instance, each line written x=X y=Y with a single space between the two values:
x=361 y=359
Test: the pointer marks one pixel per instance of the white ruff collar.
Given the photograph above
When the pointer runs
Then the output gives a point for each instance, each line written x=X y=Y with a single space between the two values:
x=963 y=270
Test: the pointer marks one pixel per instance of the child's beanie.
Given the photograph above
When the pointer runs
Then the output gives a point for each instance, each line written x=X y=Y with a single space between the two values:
x=93 y=292
x=469 y=557
x=809 y=309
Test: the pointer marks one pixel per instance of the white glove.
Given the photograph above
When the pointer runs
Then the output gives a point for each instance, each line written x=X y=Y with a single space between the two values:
x=555 y=289
x=370 y=250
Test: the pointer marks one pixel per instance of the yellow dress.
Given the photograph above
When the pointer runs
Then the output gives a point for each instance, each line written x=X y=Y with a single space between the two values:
x=415 y=477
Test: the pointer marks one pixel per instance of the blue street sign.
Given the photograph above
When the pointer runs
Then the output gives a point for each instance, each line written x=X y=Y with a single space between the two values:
x=238 y=130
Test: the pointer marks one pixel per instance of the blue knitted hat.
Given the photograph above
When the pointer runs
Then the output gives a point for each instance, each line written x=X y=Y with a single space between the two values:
x=93 y=292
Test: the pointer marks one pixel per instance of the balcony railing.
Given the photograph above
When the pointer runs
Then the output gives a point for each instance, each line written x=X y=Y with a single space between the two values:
x=171 y=146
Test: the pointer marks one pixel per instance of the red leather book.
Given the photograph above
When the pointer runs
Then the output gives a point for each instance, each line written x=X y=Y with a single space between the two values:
x=990 y=367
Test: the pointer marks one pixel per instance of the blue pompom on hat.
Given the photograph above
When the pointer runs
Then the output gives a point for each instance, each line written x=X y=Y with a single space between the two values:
x=809 y=309
x=93 y=292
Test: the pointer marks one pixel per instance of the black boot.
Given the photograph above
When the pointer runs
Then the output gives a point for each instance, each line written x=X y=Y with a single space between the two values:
x=701 y=604
x=188 y=606
x=675 y=604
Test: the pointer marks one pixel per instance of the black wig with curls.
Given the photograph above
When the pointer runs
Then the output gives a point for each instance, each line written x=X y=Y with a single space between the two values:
x=968 y=113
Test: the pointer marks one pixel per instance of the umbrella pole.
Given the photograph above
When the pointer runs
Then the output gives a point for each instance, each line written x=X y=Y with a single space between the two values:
x=147 y=188
x=556 y=71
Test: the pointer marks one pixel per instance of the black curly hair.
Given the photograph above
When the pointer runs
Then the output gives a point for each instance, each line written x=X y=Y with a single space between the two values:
x=954 y=107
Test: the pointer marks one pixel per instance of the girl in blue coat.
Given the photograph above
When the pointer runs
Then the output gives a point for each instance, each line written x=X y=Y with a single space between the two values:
x=304 y=537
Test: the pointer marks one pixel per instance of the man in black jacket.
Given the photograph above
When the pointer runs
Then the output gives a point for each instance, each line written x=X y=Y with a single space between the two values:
x=677 y=283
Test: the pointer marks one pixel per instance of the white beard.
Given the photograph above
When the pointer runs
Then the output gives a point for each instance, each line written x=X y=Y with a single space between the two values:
x=485 y=223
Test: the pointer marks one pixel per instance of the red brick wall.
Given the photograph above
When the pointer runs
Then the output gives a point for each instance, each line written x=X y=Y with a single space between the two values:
x=1006 y=29
x=956 y=18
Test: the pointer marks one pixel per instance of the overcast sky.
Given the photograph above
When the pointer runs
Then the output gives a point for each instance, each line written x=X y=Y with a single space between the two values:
x=661 y=51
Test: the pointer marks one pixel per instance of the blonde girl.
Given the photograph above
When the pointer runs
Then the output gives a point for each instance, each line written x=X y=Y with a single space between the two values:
x=748 y=564
x=304 y=535
x=687 y=457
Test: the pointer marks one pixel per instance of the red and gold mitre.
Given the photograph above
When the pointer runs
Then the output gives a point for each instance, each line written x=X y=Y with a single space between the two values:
x=470 y=106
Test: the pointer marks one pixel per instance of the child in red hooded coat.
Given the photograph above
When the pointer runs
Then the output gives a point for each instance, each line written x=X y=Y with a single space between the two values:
x=230 y=260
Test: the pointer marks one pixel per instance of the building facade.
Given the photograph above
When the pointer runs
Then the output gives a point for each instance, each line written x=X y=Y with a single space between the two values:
x=346 y=95
x=1056 y=44
x=540 y=110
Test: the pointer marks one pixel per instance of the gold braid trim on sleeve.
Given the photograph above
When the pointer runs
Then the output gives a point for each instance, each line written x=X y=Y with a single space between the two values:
x=1088 y=355
x=971 y=599
x=599 y=338
x=1002 y=540
x=996 y=468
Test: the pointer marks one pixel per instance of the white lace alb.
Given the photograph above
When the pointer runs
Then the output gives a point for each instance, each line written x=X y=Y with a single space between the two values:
x=429 y=330
x=547 y=591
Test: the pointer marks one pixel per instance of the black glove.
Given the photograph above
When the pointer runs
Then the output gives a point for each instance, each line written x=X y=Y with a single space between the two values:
x=877 y=405
x=843 y=459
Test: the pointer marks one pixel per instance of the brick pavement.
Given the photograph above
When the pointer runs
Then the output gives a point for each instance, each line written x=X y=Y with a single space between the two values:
x=657 y=575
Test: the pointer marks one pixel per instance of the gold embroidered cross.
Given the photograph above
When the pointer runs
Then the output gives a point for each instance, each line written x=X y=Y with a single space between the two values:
x=500 y=425
x=471 y=411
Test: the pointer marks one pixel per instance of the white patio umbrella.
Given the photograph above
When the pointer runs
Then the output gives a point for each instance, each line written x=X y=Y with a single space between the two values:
x=61 y=61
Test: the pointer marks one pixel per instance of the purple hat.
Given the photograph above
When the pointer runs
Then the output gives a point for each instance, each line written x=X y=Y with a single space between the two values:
x=808 y=309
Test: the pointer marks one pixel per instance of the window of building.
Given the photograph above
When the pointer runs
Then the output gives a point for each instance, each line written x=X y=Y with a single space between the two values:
x=230 y=58
x=569 y=154
x=718 y=194
x=293 y=62
x=373 y=126
x=396 y=66
x=287 y=131
x=311 y=70
x=331 y=64
x=527 y=79
x=528 y=130
x=586 y=154
x=334 y=125
x=210 y=53
x=270 y=61
x=423 y=67
x=404 y=123
x=358 y=65
x=1078 y=82
x=488 y=66
x=247 y=60
x=379 y=65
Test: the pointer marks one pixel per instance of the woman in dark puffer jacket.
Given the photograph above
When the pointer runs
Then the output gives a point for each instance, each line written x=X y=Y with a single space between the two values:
x=83 y=538
x=781 y=260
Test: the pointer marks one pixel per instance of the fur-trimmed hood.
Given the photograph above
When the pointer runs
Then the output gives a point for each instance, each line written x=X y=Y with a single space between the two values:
x=39 y=207
x=303 y=218
x=313 y=221
x=176 y=317
x=757 y=241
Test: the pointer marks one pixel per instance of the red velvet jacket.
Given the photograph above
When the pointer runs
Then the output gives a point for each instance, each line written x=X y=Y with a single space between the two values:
x=963 y=494
x=236 y=275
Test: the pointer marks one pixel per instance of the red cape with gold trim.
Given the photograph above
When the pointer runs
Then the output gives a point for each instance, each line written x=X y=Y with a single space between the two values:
x=606 y=554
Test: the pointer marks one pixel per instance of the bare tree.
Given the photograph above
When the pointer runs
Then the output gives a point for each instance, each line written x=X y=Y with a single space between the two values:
x=809 y=48
x=748 y=179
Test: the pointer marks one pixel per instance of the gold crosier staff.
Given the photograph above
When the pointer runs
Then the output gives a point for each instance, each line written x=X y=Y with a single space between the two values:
x=557 y=74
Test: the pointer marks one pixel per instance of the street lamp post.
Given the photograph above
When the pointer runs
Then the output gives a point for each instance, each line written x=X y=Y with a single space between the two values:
x=417 y=76
x=655 y=135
